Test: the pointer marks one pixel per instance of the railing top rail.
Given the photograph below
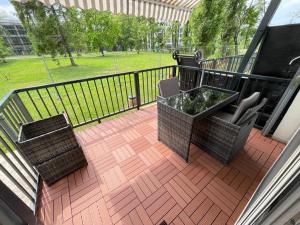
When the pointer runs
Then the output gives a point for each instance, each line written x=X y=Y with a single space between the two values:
x=6 y=98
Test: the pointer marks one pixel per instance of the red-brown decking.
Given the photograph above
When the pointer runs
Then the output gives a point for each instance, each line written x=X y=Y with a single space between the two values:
x=134 y=179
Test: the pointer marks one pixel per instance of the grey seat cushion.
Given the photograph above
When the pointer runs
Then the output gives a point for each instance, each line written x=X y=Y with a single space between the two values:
x=244 y=105
x=168 y=87
x=224 y=115
x=251 y=112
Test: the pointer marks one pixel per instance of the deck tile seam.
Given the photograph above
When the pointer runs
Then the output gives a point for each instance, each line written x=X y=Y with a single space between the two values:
x=114 y=132
x=253 y=179
x=168 y=197
x=181 y=189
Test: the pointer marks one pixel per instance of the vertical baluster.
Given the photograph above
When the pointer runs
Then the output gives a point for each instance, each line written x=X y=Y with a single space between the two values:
x=34 y=105
x=74 y=111
x=12 y=116
x=93 y=102
x=62 y=102
x=143 y=85
x=45 y=106
x=99 y=99
x=125 y=84
x=77 y=99
x=151 y=81
x=113 y=78
x=11 y=123
x=156 y=84
x=108 y=111
x=15 y=168
x=12 y=152
x=83 y=93
x=112 y=103
x=19 y=114
x=16 y=182
x=51 y=99
x=147 y=83
x=121 y=91
x=22 y=108
x=131 y=92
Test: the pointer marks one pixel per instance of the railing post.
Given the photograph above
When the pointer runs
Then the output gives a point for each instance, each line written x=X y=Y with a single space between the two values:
x=243 y=90
x=22 y=108
x=137 y=89
x=4 y=125
x=173 y=71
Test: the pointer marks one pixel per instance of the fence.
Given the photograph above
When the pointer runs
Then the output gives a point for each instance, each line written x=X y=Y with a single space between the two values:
x=93 y=99
x=229 y=63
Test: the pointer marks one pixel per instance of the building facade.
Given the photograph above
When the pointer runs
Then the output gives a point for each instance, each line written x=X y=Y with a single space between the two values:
x=15 y=36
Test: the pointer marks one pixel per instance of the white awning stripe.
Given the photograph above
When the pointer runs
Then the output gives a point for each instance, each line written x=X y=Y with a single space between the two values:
x=160 y=10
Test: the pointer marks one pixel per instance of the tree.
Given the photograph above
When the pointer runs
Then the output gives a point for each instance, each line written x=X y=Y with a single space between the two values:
x=46 y=27
x=102 y=29
x=75 y=24
x=174 y=30
x=205 y=22
x=140 y=33
x=4 y=50
x=240 y=16
x=186 y=37
x=162 y=35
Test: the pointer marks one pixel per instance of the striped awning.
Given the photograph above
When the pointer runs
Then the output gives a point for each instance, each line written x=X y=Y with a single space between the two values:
x=160 y=10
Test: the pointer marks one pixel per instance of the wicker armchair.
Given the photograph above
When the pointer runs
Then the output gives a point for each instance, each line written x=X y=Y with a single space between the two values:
x=222 y=138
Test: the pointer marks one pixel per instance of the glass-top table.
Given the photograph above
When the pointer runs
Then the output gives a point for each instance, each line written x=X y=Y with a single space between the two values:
x=176 y=114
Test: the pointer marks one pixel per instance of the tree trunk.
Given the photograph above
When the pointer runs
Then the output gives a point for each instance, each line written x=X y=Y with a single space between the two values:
x=101 y=51
x=63 y=38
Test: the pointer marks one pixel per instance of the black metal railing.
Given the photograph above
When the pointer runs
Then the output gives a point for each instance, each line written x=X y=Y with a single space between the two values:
x=93 y=99
x=229 y=63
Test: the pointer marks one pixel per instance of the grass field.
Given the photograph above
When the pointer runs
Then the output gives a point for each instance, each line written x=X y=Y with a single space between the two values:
x=27 y=71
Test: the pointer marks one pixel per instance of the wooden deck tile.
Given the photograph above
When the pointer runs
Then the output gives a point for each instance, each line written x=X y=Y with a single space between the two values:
x=132 y=178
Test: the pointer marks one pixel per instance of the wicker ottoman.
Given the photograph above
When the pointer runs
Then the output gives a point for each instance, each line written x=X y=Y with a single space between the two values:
x=50 y=145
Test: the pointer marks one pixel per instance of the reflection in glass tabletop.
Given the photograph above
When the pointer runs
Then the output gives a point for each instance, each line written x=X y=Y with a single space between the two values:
x=197 y=100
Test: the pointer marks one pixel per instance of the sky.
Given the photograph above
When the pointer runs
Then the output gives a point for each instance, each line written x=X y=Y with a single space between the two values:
x=288 y=12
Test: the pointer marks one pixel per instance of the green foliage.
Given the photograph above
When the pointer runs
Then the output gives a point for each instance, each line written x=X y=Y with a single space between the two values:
x=102 y=29
x=140 y=33
x=205 y=21
x=48 y=28
x=187 y=39
x=218 y=26
x=4 y=50
x=174 y=30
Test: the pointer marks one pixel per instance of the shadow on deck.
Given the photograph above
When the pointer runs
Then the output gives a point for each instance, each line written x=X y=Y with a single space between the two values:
x=134 y=179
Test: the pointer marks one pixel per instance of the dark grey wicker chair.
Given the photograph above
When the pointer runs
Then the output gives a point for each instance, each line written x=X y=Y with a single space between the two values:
x=221 y=137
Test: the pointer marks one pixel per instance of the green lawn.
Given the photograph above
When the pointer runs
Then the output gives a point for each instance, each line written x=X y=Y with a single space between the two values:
x=26 y=71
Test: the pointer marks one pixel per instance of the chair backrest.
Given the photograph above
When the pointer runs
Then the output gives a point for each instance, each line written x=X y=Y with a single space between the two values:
x=251 y=112
x=168 y=87
x=244 y=105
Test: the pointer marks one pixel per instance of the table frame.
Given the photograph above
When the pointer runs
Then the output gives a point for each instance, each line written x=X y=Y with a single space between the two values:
x=175 y=127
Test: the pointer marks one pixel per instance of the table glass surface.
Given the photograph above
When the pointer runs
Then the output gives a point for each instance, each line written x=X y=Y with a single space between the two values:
x=197 y=100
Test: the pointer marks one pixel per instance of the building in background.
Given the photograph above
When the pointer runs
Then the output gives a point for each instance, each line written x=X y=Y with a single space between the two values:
x=15 y=36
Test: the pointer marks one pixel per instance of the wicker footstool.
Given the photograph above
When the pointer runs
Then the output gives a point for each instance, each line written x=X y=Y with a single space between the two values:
x=51 y=147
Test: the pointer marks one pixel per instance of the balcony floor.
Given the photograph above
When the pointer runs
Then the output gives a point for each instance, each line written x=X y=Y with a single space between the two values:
x=134 y=179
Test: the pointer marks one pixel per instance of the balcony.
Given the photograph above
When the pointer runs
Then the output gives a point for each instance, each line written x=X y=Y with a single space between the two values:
x=132 y=178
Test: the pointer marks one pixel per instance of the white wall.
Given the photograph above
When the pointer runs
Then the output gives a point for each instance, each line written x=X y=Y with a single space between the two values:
x=290 y=122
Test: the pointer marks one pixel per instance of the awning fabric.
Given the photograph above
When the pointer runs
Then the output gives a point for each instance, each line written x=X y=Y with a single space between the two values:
x=161 y=10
